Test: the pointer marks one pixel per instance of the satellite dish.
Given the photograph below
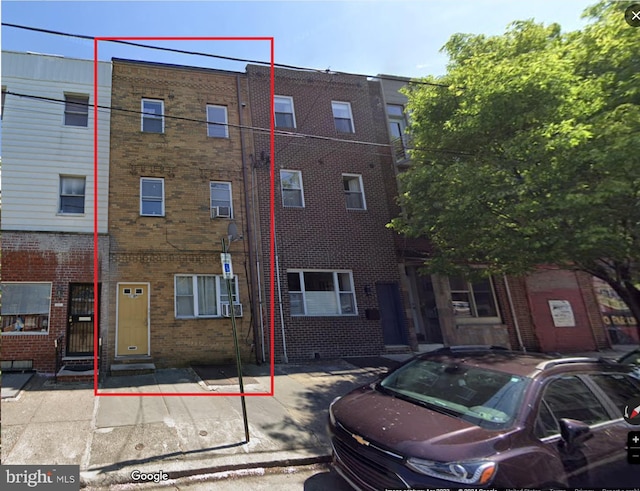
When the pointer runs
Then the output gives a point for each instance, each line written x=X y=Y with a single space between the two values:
x=232 y=232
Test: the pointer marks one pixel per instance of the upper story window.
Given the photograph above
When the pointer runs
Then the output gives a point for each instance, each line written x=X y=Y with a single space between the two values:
x=152 y=116
x=342 y=117
x=221 y=203
x=76 y=110
x=354 y=191
x=151 y=196
x=285 y=116
x=217 y=121
x=397 y=121
x=473 y=299
x=292 y=192
x=72 y=191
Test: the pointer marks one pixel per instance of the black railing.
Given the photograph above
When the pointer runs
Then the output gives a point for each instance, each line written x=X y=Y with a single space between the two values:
x=400 y=147
x=59 y=347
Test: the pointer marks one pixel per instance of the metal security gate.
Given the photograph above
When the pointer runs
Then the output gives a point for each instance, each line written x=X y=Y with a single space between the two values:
x=81 y=319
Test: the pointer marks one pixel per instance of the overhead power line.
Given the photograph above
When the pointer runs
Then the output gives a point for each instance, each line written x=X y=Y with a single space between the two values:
x=292 y=134
x=209 y=55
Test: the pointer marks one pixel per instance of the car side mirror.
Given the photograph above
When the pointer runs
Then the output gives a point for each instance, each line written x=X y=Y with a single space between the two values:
x=574 y=433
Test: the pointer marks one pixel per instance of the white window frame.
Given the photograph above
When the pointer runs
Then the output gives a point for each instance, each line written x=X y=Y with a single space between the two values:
x=360 y=191
x=228 y=184
x=158 y=179
x=76 y=99
x=474 y=318
x=61 y=196
x=7 y=318
x=336 y=291
x=217 y=124
x=282 y=188
x=151 y=115
x=348 y=104
x=219 y=282
x=293 y=112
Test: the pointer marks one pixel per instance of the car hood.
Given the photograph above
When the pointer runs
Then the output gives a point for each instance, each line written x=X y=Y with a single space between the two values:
x=413 y=430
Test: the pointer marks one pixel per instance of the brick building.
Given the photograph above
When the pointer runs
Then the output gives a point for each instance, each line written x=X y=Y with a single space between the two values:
x=48 y=306
x=337 y=282
x=550 y=310
x=176 y=186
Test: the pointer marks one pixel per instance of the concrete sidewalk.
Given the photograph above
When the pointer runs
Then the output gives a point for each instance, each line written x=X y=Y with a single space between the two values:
x=109 y=437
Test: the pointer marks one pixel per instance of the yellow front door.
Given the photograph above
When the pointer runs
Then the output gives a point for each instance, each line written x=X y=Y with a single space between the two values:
x=133 y=319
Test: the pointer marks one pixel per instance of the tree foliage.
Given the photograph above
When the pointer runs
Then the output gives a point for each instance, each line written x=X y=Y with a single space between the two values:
x=531 y=153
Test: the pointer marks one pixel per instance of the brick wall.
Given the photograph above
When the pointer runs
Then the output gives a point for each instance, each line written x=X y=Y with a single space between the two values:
x=324 y=234
x=555 y=284
x=47 y=257
x=186 y=240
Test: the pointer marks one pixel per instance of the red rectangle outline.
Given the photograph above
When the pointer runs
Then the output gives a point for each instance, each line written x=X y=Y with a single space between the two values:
x=96 y=268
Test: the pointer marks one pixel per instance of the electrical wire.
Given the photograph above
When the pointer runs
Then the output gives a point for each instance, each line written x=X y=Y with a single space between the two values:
x=200 y=121
x=228 y=58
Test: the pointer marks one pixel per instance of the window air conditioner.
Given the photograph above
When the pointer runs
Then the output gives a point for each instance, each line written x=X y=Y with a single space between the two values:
x=226 y=311
x=221 y=212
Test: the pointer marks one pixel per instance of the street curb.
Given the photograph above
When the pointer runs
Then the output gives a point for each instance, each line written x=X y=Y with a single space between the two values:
x=118 y=479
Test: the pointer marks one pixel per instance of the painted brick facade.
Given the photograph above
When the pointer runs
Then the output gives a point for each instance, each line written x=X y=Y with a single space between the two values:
x=575 y=287
x=59 y=259
x=324 y=234
x=186 y=240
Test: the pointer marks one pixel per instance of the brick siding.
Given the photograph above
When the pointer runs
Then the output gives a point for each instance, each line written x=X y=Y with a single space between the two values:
x=186 y=240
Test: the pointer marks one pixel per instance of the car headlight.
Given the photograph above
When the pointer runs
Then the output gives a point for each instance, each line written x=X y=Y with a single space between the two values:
x=478 y=472
x=332 y=418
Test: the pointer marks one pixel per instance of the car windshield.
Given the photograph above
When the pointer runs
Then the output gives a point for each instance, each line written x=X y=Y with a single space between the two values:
x=487 y=398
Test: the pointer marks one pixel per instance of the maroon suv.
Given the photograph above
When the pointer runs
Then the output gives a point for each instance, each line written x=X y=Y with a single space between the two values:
x=483 y=417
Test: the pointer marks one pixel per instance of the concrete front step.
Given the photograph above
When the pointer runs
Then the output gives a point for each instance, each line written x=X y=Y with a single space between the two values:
x=120 y=369
x=397 y=349
x=70 y=376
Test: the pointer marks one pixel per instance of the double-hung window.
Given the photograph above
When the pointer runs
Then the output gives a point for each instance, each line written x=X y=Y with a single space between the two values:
x=220 y=201
x=353 y=191
x=202 y=295
x=342 y=117
x=151 y=196
x=152 y=116
x=26 y=307
x=321 y=293
x=72 y=192
x=292 y=192
x=284 y=114
x=217 y=121
x=76 y=110
x=473 y=299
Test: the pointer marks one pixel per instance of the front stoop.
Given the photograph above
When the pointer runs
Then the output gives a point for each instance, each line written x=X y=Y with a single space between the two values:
x=397 y=349
x=72 y=376
x=75 y=369
x=132 y=366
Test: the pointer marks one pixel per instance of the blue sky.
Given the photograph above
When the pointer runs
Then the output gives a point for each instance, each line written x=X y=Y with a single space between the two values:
x=369 y=37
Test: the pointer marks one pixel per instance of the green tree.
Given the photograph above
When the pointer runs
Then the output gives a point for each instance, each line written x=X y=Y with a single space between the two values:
x=531 y=153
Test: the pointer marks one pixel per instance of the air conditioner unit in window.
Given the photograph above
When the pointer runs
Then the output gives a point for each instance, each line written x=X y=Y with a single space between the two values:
x=221 y=212
x=226 y=310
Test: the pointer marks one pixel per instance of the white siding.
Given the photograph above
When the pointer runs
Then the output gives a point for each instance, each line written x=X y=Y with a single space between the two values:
x=37 y=147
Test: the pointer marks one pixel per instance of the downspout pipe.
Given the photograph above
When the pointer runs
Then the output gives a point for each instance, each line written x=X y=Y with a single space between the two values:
x=513 y=314
x=284 y=340
x=241 y=106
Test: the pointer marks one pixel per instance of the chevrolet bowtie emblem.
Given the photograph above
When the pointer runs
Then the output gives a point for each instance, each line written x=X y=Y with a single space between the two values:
x=360 y=440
